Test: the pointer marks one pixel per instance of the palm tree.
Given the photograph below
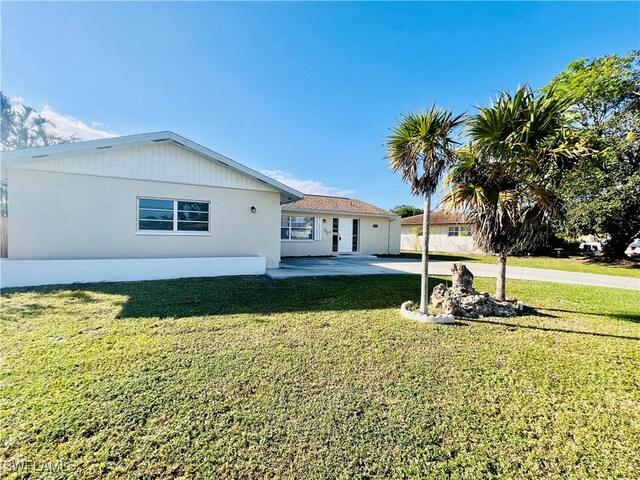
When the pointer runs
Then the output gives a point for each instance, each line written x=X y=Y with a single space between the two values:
x=421 y=147
x=506 y=178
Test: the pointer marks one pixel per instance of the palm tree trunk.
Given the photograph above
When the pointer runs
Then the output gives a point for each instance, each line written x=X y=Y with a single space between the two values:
x=502 y=276
x=424 y=284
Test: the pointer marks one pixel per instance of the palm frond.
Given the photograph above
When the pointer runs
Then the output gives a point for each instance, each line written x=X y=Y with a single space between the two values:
x=422 y=147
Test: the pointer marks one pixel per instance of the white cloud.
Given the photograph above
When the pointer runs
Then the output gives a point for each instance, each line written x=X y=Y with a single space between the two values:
x=312 y=187
x=68 y=126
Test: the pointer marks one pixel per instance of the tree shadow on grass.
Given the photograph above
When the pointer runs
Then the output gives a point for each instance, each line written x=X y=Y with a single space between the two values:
x=629 y=317
x=515 y=326
x=630 y=263
x=534 y=312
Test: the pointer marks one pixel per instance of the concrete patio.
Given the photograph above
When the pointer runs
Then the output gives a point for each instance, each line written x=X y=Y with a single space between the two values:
x=372 y=265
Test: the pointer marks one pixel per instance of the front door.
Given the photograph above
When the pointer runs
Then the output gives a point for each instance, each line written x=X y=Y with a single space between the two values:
x=345 y=235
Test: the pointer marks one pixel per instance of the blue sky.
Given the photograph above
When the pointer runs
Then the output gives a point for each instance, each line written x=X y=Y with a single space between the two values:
x=305 y=91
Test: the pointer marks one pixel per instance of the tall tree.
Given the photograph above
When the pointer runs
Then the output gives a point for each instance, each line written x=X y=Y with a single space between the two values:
x=421 y=147
x=603 y=193
x=406 y=210
x=506 y=178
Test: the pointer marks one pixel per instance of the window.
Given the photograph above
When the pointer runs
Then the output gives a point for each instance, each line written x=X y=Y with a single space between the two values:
x=162 y=215
x=297 y=228
x=459 y=232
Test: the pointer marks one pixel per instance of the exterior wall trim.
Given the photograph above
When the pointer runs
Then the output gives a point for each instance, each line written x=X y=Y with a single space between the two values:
x=29 y=273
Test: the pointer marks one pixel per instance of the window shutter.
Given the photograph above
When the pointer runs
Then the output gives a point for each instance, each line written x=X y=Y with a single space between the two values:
x=317 y=228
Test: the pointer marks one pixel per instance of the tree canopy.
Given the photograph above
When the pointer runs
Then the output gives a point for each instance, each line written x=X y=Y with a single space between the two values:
x=603 y=193
x=406 y=210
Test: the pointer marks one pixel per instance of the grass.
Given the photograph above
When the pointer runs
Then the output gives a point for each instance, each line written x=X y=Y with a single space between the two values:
x=315 y=378
x=627 y=268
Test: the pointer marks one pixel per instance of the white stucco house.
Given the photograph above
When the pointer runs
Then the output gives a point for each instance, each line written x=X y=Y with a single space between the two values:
x=450 y=232
x=155 y=206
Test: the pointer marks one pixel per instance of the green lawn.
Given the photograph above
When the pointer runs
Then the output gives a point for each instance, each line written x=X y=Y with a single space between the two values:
x=626 y=268
x=315 y=378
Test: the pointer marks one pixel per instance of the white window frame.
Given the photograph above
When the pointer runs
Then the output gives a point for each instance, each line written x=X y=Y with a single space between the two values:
x=314 y=229
x=175 y=231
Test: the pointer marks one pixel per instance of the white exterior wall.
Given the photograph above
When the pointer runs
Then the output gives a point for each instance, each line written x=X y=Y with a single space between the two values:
x=381 y=240
x=70 y=216
x=439 y=240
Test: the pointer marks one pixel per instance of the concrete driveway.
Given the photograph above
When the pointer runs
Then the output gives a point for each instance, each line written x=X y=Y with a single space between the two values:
x=371 y=265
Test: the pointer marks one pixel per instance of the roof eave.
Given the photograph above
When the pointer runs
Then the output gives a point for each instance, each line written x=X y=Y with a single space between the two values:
x=339 y=212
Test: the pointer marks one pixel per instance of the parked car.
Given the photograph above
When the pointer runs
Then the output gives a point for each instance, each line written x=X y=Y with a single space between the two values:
x=590 y=247
x=633 y=250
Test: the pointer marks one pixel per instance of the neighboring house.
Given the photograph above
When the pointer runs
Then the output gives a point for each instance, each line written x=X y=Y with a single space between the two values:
x=158 y=205
x=450 y=232
x=320 y=225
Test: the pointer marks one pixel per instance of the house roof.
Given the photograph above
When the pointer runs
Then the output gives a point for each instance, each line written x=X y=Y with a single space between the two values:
x=16 y=157
x=322 y=203
x=439 y=217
